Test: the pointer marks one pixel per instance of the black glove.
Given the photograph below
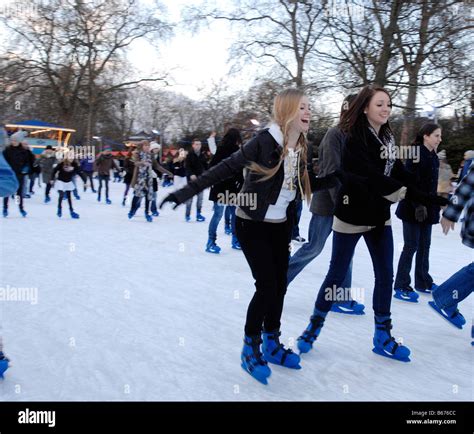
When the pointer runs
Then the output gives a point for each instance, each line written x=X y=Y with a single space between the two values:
x=326 y=182
x=424 y=198
x=171 y=198
x=421 y=213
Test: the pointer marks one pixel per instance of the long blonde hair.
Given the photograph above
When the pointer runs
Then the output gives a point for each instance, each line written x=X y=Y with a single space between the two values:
x=285 y=110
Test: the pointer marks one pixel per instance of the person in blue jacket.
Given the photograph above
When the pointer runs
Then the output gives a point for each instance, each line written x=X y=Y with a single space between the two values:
x=8 y=185
x=418 y=219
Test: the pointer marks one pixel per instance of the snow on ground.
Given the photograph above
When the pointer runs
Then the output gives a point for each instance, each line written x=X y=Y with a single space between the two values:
x=128 y=310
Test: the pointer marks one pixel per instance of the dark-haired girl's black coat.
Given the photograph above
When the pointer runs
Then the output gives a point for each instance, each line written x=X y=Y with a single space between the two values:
x=426 y=172
x=361 y=199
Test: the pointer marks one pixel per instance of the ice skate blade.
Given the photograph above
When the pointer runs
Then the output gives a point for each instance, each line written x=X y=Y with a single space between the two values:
x=389 y=356
x=262 y=379
x=340 y=309
x=437 y=309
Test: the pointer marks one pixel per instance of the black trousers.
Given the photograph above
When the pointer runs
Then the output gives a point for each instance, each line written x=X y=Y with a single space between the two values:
x=266 y=248
x=61 y=197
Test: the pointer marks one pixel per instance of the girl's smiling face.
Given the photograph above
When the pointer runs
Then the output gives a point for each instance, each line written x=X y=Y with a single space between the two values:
x=379 y=109
x=301 y=122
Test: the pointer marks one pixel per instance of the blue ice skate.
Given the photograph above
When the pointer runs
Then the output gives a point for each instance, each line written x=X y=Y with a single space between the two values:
x=385 y=345
x=253 y=361
x=306 y=340
x=427 y=290
x=350 y=307
x=212 y=247
x=3 y=364
x=406 y=294
x=275 y=352
x=74 y=215
x=451 y=314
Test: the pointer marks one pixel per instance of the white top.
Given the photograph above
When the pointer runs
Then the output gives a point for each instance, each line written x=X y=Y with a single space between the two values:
x=288 y=188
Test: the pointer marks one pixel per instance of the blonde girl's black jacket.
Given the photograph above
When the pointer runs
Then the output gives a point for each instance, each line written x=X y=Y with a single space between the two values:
x=264 y=150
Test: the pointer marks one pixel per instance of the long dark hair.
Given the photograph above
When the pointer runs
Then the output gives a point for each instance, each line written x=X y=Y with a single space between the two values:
x=425 y=130
x=232 y=138
x=354 y=120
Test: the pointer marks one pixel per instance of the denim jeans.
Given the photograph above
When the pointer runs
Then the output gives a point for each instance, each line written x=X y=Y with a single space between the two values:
x=217 y=216
x=105 y=179
x=456 y=288
x=380 y=244
x=296 y=229
x=189 y=203
x=228 y=216
x=153 y=202
x=417 y=239
x=320 y=228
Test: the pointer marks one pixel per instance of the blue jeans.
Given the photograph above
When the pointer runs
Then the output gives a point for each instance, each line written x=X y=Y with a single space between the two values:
x=229 y=211
x=296 y=229
x=456 y=288
x=417 y=239
x=217 y=216
x=320 y=227
x=198 y=204
x=380 y=244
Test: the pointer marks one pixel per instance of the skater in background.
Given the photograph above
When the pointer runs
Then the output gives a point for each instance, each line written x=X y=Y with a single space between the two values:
x=445 y=177
x=47 y=161
x=65 y=172
x=372 y=180
x=223 y=193
x=195 y=164
x=418 y=219
x=103 y=164
x=35 y=174
x=87 y=172
x=158 y=171
x=276 y=176
x=142 y=181
x=461 y=284
x=179 y=169
x=8 y=185
x=129 y=168
x=19 y=160
x=322 y=208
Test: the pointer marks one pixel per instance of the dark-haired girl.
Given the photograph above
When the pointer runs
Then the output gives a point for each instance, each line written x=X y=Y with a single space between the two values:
x=372 y=179
x=418 y=218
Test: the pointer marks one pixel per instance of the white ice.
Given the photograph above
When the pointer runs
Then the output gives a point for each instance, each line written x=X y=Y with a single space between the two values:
x=134 y=311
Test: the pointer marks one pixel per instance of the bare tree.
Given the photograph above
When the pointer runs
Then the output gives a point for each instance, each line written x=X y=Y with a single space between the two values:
x=282 y=34
x=73 y=47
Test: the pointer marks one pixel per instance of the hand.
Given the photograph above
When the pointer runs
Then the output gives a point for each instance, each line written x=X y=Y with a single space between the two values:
x=419 y=196
x=193 y=177
x=421 y=213
x=325 y=182
x=51 y=182
x=446 y=225
x=171 y=198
